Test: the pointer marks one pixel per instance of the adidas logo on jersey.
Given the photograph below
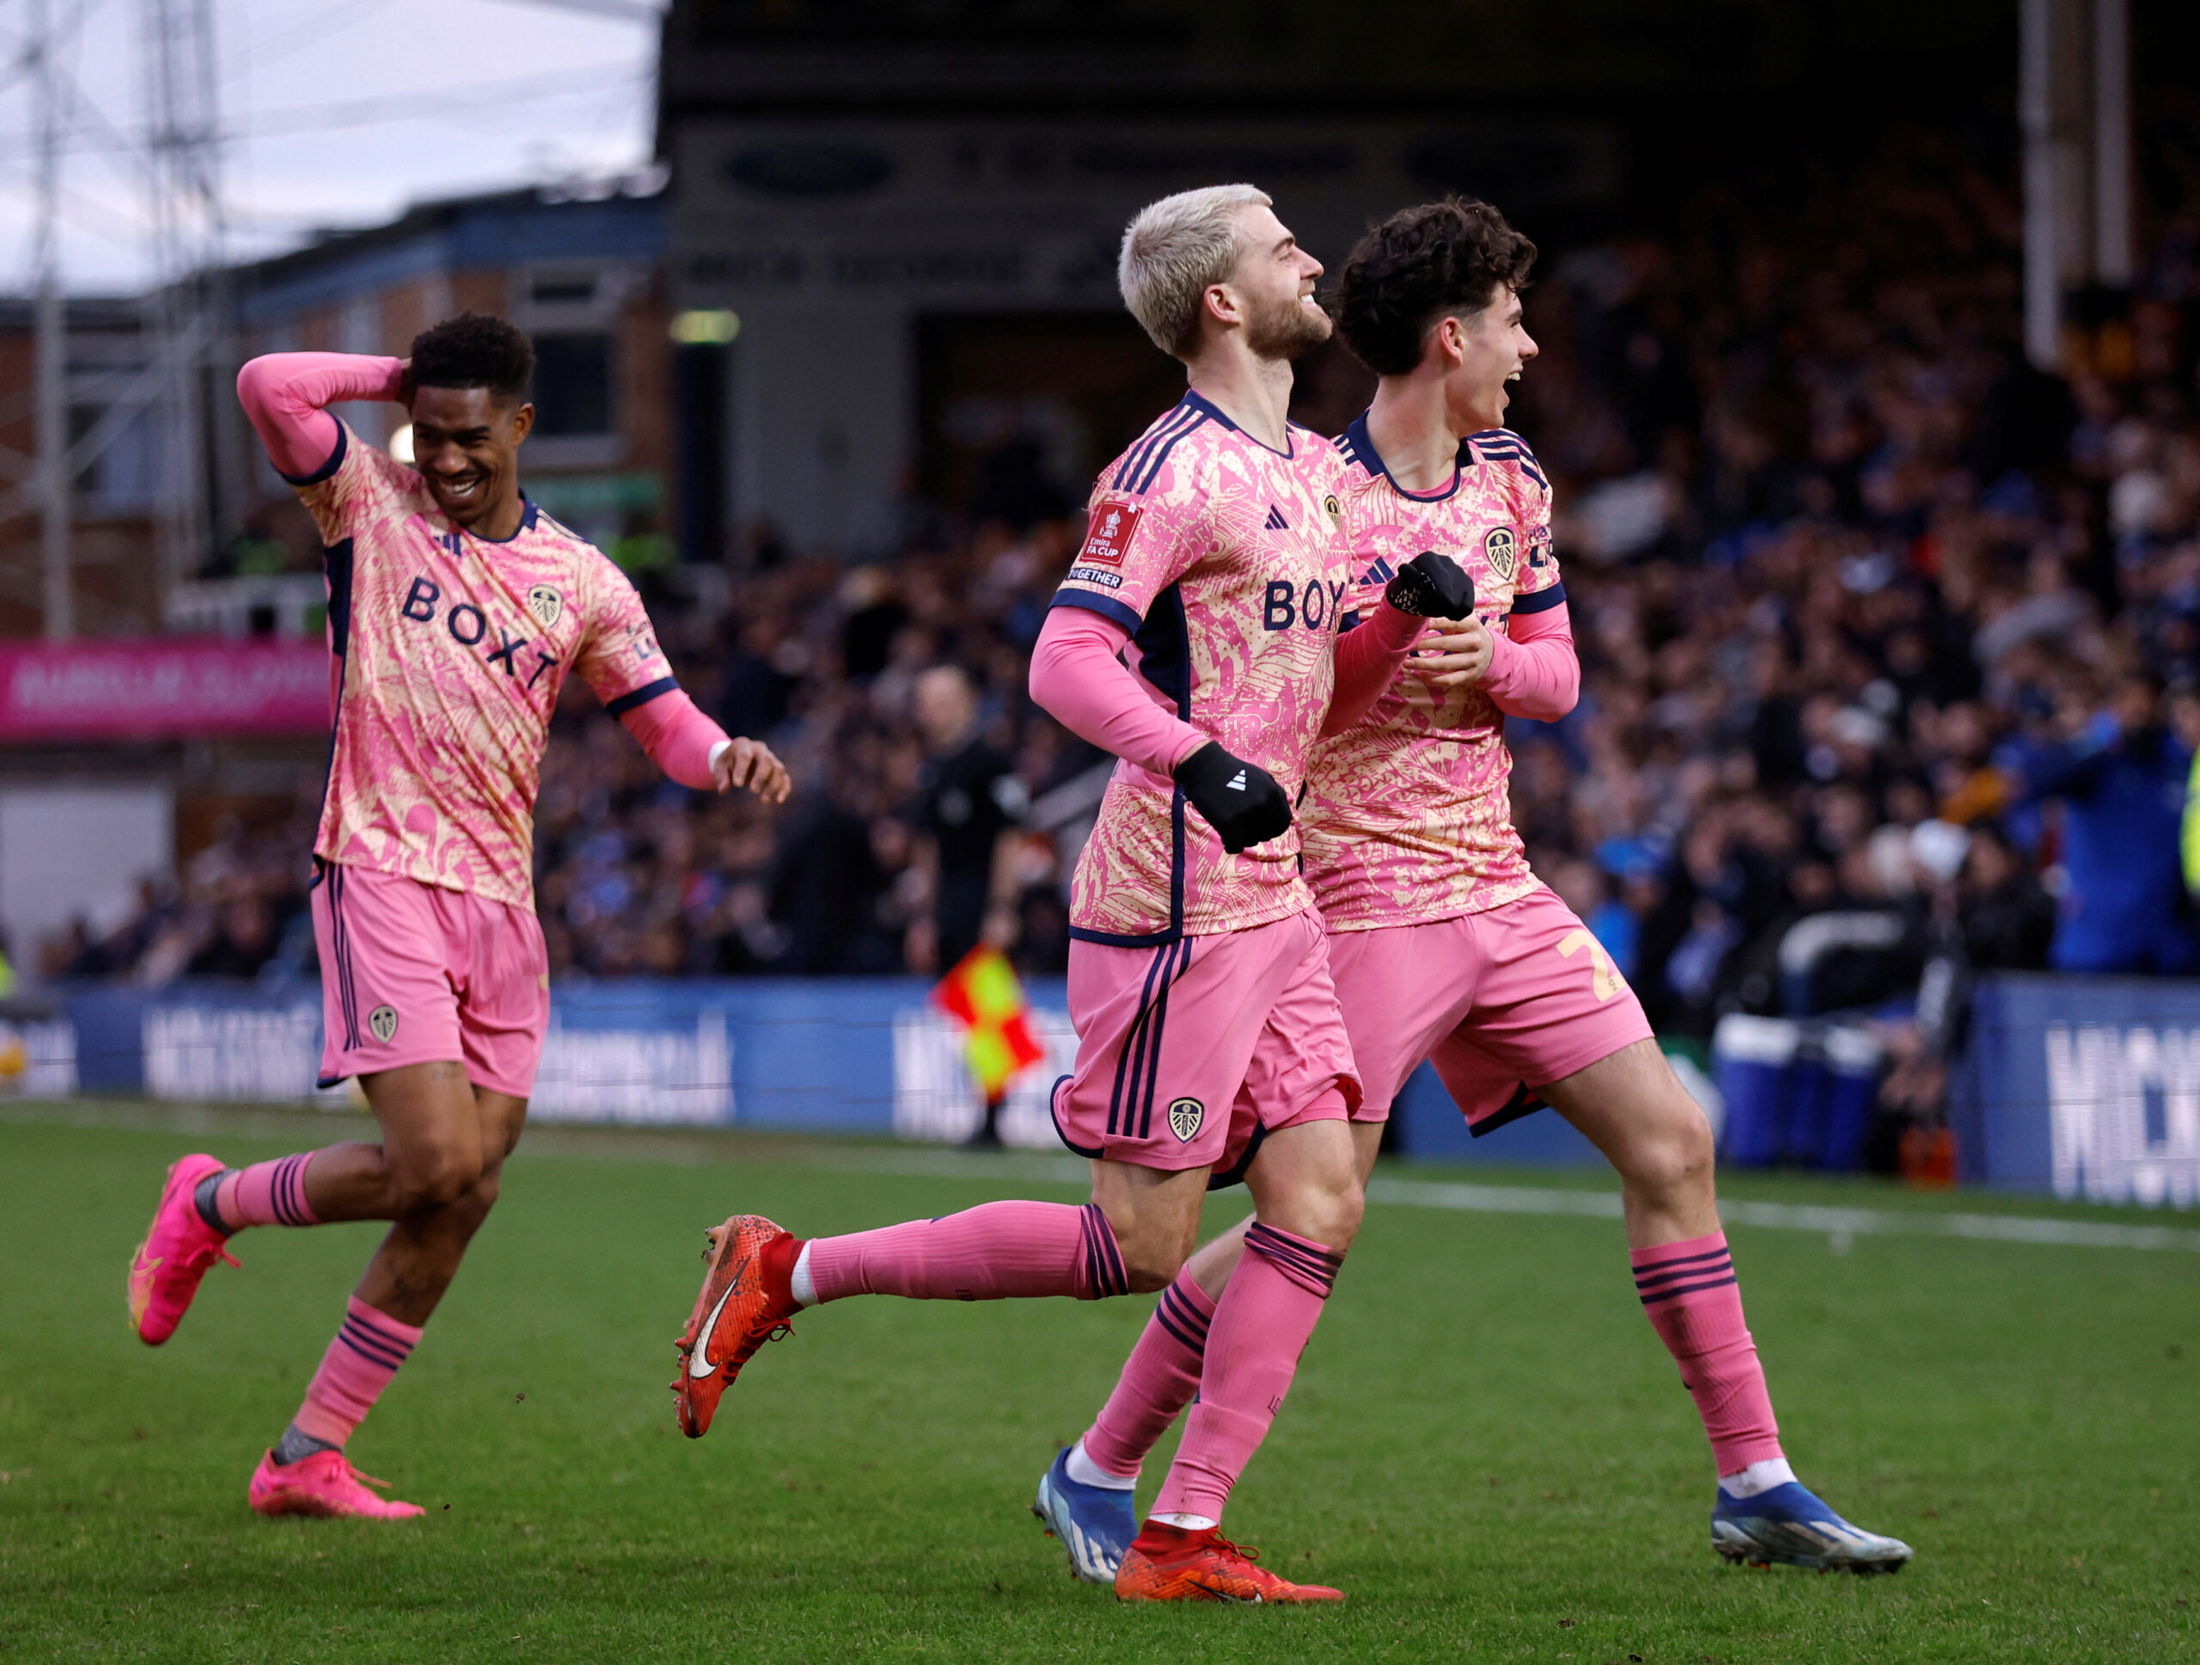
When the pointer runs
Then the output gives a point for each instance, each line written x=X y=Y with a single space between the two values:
x=1237 y=781
x=1275 y=521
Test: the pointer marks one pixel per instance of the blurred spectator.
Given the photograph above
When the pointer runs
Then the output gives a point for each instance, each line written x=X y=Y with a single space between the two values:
x=967 y=797
x=2120 y=780
x=1873 y=619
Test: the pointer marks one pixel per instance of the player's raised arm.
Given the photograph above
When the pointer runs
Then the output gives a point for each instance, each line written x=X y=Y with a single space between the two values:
x=286 y=397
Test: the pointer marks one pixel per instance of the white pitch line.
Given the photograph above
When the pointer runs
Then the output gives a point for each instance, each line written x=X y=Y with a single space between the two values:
x=1834 y=1222
x=1602 y=1205
x=1047 y=1168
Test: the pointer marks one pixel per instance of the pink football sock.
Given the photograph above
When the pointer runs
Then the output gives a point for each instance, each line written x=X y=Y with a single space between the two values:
x=267 y=1194
x=1158 y=1380
x=356 y=1368
x=1689 y=1292
x=990 y=1253
x=1261 y=1325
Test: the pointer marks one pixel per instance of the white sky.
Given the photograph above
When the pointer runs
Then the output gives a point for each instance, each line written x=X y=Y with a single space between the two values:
x=339 y=112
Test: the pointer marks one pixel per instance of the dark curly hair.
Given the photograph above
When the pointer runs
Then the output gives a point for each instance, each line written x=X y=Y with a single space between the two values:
x=474 y=350
x=1442 y=259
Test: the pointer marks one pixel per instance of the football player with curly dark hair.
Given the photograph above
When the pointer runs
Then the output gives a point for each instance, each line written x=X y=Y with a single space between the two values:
x=1443 y=942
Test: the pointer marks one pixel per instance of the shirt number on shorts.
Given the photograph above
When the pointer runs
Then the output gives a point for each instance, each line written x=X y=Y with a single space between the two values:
x=1604 y=976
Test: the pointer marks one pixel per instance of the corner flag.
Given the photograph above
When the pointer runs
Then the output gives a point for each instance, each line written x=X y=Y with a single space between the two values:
x=982 y=994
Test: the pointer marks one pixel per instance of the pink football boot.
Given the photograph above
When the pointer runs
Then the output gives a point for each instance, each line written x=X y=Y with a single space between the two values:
x=178 y=1248
x=325 y=1486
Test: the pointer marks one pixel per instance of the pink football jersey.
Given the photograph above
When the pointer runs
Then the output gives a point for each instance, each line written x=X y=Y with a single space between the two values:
x=1408 y=819
x=1221 y=557
x=448 y=653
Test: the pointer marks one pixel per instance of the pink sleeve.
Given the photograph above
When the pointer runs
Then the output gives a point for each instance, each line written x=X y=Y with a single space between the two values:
x=677 y=736
x=1367 y=659
x=1077 y=679
x=1533 y=671
x=286 y=395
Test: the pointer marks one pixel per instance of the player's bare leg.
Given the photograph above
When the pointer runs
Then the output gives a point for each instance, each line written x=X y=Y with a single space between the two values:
x=1212 y=1263
x=1307 y=1203
x=1085 y=1496
x=1634 y=1110
x=433 y=1175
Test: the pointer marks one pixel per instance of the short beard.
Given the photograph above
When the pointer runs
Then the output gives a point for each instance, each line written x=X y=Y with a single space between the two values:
x=1289 y=332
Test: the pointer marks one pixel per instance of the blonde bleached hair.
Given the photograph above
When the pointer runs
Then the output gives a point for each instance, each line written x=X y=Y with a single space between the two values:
x=1173 y=250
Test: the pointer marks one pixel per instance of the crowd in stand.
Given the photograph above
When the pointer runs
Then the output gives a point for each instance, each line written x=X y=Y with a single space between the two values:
x=1889 y=646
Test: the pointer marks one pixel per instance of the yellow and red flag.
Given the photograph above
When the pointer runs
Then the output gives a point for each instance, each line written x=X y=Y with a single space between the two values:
x=983 y=995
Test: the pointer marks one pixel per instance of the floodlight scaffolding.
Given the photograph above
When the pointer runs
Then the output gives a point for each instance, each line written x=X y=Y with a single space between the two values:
x=176 y=156
x=187 y=233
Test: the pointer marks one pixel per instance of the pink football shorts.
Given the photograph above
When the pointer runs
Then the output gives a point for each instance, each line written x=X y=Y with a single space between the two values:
x=1503 y=1002
x=412 y=973
x=1190 y=1053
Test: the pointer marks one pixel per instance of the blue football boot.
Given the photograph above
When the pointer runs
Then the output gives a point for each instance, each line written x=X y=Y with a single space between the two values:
x=1095 y=1523
x=1790 y=1526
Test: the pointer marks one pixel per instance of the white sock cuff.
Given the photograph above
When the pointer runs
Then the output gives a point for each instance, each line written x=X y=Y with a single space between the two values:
x=1760 y=1476
x=1086 y=1472
x=799 y=1282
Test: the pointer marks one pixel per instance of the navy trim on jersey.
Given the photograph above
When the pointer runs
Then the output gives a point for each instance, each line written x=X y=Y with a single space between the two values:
x=1125 y=939
x=1142 y=462
x=642 y=695
x=528 y=514
x=1359 y=447
x=1165 y=648
x=1540 y=602
x=1522 y=1103
x=1105 y=605
x=335 y=461
x=1503 y=445
x=337 y=558
x=1214 y=414
x=1165 y=661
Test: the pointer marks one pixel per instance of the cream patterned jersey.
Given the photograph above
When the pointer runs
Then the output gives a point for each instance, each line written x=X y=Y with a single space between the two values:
x=1408 y=819
x=448 y=651
x=1221 y=557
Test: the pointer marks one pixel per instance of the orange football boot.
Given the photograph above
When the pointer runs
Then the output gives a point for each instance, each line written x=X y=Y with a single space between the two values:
x=1167 y=1563
x=745 y=1301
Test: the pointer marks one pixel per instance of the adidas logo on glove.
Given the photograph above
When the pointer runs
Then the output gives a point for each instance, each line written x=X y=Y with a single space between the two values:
x=1255 y=810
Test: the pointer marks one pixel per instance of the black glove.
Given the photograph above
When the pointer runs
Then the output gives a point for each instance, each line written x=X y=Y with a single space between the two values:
x=1431 y=586
x=1240 y=800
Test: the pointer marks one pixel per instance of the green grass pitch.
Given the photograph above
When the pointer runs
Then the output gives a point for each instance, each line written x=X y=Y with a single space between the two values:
x=1486 y=1447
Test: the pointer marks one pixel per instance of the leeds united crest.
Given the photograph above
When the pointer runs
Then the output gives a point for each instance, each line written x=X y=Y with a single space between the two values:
x=546 y=604
x=1185 y=1115
x=383 y=1021
x=1499 y=549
